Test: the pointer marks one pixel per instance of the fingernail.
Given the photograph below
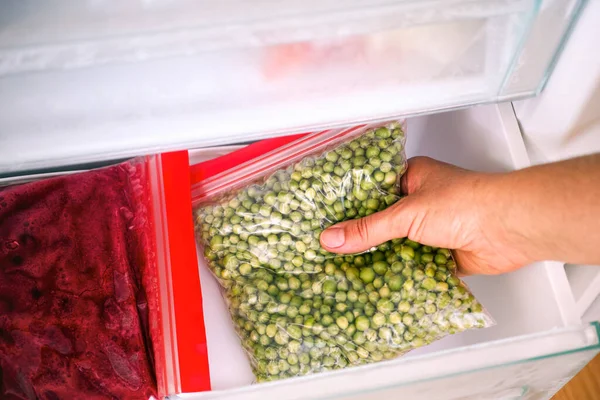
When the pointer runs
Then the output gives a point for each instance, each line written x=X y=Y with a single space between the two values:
x=333 y=237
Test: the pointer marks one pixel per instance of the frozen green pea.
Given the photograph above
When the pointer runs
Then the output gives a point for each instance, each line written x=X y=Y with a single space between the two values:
x=327 y=320
x=380 y=267
x=331 y=156
x=418 y=275
x=453 y=281
x=342 y=322
x=404 y=307
x=372 y=204
x=352 y=296
x=362 y=323
x=362 y=352
x=426 y=258
x=407 y=319
x=367 y=275
x=407 y=253
x=378 y=283
x=372 y=152
x=441 y=287
x=373 y=295
x=395 y=318
x=385 y=306
x=429 y=283
x=395 y=283
x=440 y=259
x=378 y=320
x=385 y=292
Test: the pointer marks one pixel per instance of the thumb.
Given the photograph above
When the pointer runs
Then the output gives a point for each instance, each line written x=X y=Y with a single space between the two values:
x=358 y=235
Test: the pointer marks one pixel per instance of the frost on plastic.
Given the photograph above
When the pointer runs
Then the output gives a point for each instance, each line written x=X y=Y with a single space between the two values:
x=299 y=309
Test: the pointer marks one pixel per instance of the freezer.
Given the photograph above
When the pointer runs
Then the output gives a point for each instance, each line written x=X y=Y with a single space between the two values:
x=92 y=83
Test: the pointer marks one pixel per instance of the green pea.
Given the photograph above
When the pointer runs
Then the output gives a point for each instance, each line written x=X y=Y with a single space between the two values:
x=395 y=283
x=441 y=287
x=407 y=253
x=342 y=322
x=395 y=318
x=385 y=306
x=440 y=259
x=428 y=283
x=380 y=267
x=404 y=307
x=362 y=323
x=367 y=275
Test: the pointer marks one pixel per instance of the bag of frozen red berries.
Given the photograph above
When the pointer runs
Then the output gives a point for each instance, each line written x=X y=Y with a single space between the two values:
x=91 y=264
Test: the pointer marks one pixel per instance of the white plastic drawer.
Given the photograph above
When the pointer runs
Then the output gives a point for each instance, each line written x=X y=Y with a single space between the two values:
x=89 y=80
x=539 y=341
x=531 y=367
x=585 y=284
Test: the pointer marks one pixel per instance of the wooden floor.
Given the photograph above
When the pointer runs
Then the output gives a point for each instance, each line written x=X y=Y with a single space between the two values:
x=585 y=385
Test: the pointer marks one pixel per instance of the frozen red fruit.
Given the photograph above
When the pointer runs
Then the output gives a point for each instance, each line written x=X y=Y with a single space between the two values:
x=75 y=252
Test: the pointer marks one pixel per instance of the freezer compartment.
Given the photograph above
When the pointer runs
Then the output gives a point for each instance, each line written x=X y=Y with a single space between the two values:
x=526 y=367
x=113 y=78
x=534 y=308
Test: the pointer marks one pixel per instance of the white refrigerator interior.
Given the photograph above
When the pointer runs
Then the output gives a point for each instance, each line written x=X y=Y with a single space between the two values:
x=94 y=81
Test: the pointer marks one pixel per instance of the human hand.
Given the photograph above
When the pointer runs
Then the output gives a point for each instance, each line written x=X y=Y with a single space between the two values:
x=447 y=207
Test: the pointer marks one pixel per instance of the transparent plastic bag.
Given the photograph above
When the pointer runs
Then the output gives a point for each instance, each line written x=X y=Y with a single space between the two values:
x=299 y=309
x=75 y=288
x=87 y=288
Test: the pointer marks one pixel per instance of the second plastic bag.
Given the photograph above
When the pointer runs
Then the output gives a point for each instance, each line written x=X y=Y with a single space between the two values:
x=299 y=309
x=99 y=284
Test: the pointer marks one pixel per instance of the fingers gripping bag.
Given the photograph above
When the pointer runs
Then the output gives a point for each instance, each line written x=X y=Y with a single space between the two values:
x=299 y=309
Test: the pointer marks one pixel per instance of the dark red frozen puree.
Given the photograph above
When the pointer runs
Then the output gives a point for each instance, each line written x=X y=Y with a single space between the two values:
x=73 y=294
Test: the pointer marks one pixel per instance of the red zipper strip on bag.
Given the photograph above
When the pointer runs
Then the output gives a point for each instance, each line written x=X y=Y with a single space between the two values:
x=192 y=347
x=210 y=168
x=302 y=146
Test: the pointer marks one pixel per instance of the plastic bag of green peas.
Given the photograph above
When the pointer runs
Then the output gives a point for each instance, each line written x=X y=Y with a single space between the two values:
x=299 y=309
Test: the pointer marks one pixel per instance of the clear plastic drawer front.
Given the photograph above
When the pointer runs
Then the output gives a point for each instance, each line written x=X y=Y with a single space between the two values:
x=82 y=81
x=527 y=367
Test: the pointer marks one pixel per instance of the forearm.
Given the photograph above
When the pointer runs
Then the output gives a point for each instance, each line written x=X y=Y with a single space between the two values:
x=551 y=211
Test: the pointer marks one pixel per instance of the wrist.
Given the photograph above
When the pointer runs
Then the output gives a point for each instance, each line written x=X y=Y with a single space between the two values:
x=505 y=218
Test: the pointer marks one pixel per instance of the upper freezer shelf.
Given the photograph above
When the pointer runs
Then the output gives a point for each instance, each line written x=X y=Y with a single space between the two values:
x=99 y=79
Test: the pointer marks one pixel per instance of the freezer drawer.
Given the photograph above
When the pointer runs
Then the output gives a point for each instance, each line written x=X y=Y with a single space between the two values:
x=539 y=341
x=116 y=78
x=530 y=367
